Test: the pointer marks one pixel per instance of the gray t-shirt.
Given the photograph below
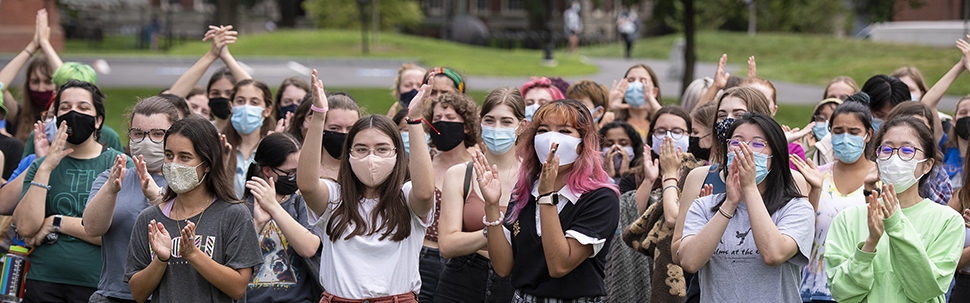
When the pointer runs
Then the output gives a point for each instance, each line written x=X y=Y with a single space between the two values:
x=225 y=232
x=114 y=243
x=736 y=272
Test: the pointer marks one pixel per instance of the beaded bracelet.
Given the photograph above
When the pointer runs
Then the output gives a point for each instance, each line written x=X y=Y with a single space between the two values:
x=501 y=217
x=41 y=185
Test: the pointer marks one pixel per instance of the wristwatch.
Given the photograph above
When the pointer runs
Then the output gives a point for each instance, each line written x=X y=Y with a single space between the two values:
x=553 y=195
x=57 y=223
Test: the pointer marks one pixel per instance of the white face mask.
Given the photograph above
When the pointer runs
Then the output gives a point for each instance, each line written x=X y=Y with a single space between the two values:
x=567 y=147
x=898 y=172
x=181 y=178
x=682 y=144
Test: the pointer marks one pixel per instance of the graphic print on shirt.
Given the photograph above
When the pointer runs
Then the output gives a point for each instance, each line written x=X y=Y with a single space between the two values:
x=72 y=202
x=277 y=270
x=738 y=249
x=208 y=247
x=741 y=236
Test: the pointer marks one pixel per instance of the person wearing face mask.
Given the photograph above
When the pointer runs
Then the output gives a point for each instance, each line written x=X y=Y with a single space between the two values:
x=220 y=85
x=444 y=81
x=38 y=88
x=289 y=95
x=758 y=233
x=282 y=230
x=555 y=237
x=851 y=131
x=344 y=111
x=938 y=188
x=701 y=134
x=251 y=120
x=469 y=270
x=821 y=115
x=594 y=96
x=953 y=141
x=406 y=83
x=402 y=127
x=636 y=97
x=120 y=193
x=67 y=262
x=455 y=130
x=198 y=203
x=537 y=92
x=901 y=247
x=622 y=151
x=371 y=220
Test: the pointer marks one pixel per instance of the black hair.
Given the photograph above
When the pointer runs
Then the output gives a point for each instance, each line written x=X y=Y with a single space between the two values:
x=635 y=140
x=780 y=184
x=208 y=147
x=926 y=141
x=97 y=99
x=857 y=108
x=272 y=152
x=885 y=90
x=299 y=116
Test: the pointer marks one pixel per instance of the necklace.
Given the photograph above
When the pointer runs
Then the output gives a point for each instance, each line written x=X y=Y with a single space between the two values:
x=187 y=218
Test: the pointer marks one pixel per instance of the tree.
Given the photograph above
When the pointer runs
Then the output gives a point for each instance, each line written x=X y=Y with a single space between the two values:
x=395 y=14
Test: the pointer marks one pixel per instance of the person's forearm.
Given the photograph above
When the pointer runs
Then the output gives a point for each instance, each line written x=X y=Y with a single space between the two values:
x=671 y=205
x=301 y=239
x=643 y=195
x=555 y=247
x=52 y=58
x=458 y=243
x=499 y=248
x=9 y=71
x=144 y=282
x=99 y=212
x=422 y=172
x=183 y=86
x=237 y=71
x=775 y=248
x=935 y=94
x=696 y=250
x=230 y=281
x=708 y=96
x=964 y=258
x=813 y=196
x=308 y=180
x=29 y=213
x=10 y=195
x=71 y=226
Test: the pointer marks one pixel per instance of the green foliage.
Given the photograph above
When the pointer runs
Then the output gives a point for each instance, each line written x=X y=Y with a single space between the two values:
x=803 y=16
x=345 y=14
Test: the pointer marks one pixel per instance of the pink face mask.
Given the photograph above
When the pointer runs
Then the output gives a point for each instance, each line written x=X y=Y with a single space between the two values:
x=372 y=170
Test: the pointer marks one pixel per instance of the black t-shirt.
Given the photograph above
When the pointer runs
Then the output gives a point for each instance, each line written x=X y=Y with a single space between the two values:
x=595 y=214
x=12 y=149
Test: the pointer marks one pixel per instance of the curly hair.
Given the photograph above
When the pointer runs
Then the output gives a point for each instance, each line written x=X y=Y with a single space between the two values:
x=465 y=107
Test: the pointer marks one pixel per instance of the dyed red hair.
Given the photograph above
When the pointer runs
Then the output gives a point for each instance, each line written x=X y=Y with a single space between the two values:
x=542 y=82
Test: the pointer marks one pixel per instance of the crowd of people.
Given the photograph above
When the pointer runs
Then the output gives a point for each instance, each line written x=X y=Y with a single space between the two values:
x=229 y=193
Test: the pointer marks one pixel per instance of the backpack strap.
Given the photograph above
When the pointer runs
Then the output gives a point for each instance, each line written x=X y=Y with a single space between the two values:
x=468 y=179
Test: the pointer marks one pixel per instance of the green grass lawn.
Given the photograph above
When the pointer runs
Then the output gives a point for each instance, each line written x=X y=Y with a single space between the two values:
x=372 y=101
x=472 y=60
x=802 y=58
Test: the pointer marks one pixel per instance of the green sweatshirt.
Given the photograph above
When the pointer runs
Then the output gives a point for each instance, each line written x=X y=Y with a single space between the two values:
x=913 y=262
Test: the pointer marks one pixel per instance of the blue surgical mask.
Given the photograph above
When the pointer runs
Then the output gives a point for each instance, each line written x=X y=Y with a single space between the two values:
x=820 y=129
x=530 y=110
x=498 y=139
x=592 y=113
x=50 y=129
x=247 y=118
x=848 y=148
x=406 y=137
x=634 y=94
x=760 y=165
x=876 y=122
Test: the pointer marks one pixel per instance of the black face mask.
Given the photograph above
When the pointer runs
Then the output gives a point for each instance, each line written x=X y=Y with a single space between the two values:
x=405 y=98
x=285 y=186
x=452 y=134
x=79 y=126
x=962 y=128
x=694 y=148
x=333 y=142
x=287 y=109
x=220 y=107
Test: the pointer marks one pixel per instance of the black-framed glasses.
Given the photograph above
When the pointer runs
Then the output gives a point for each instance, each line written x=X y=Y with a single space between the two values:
x=757 y=145
x=906 y=153
x=381 y=151
x=136 y=135
x=675 y=133
x=291 y=175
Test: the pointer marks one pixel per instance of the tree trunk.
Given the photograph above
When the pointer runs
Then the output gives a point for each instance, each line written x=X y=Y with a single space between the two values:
x=226 y=13
x=289 y=9
x=689 y=46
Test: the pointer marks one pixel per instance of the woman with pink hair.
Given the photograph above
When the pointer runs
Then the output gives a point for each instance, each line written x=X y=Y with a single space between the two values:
x=534 y=98
x=563 y=212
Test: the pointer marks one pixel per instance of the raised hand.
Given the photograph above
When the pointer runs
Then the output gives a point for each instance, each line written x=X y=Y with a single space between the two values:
x=550 y=170
x=57 y=150
x=744 y=157
x=808 y=170
x=488 y=180
x=42 y=27
x=226 y=147
x=651 y=167
x=187 y=245
x=617 y=91
x=732 y=185
x=706 y=190
x=964 y=47
x=264 y=192
x=608 y=160
x=41 y=144
x=752 y=68
x=670 y=158
x=721 y=77
x=283 y=124
x=149 y=188
x=891 y=204
x=793 y=135
x=417 y=103
x=318 y=93
x=159 y=240
x=624 y=161
x=876 y=228
x=116 y=176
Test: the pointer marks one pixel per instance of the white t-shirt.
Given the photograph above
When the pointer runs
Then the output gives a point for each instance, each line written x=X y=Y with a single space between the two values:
x=364 y=266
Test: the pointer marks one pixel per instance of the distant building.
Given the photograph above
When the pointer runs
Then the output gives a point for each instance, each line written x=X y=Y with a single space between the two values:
x=930 y=10
x=17 y=24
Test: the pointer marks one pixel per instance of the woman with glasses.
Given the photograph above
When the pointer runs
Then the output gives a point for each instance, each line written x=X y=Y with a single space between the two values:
x=835 y=187
x=280 y=217
x=752 y=240
x=119 y=194
x=901 y=247
x=373 y=222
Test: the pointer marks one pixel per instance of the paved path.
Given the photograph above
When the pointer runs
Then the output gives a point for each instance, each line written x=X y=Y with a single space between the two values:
x=379 y=73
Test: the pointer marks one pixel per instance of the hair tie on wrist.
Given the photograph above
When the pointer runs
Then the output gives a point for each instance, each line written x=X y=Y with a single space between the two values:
x=322 y=110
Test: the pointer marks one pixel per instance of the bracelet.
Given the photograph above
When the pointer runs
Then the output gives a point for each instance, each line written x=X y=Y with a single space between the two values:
x=724 y=213
x=668 y=179
x=501 y=218
x=41 y=185
x=415 y=121
x=664 y=190
x=28 y=53
x=163 y=261
x=322 y=110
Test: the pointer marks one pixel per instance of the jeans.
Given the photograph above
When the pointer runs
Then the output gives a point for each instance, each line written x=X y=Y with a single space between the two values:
x=471 y=279
x=430 y=265
x=961 y=290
